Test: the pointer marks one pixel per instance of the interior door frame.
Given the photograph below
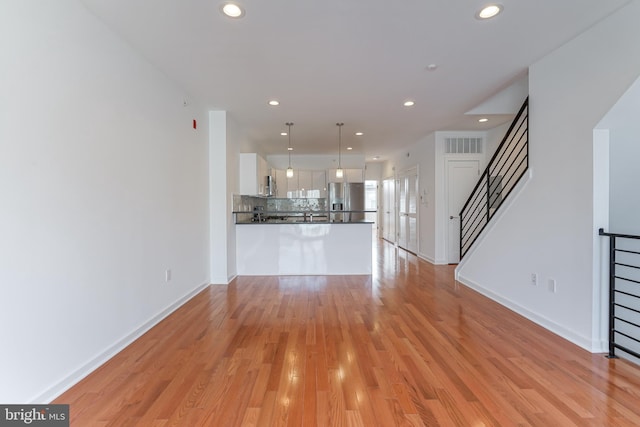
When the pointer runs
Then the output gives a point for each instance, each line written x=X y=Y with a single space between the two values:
x=403 y=174
x=445 y=206
x=393 y=210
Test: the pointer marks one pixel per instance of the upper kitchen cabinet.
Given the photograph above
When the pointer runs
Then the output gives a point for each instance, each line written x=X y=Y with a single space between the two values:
x=253 y=170
x=281 y=182
x=319 y=182
x=304 y=183
x=349 y=175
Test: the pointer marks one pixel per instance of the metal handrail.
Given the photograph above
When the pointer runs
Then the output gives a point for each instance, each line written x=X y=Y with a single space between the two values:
x=507 y=166
x=616 y=315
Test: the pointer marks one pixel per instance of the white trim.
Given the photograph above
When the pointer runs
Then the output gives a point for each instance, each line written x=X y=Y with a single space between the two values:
x=426 y=258
x=600 y=260
x=384 y=207
x=404 y=173
x=445 y=205
x=431 y=260
x=57 y=389
x=221 y=280
x=557 y=329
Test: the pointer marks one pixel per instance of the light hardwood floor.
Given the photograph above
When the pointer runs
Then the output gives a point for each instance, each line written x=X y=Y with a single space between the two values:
x=404 y=346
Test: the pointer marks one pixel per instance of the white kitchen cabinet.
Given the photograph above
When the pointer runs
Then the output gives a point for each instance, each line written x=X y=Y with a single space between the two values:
x=300 y=184
x=319 y=182
x=286 y=187
x=305 y=182
x=253 y=170
x=304 y=249
x=281 y=182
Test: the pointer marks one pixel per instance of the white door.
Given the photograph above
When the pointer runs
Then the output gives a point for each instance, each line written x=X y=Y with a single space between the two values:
x=412 y=212
x=389 y=213
x=408 y=210
x=462 y=176
x=371 y=203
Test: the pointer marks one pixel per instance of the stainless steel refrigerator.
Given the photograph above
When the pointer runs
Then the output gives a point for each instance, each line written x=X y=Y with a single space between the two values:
x=345 y=197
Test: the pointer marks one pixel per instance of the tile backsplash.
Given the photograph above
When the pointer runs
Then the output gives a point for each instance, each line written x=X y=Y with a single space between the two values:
x=271 y=204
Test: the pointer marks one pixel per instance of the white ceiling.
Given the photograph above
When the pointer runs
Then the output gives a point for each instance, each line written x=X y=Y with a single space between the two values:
x=351 y=61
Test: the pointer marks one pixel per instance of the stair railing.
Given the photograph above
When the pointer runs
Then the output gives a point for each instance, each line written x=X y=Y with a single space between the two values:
x=624 y=293
x=507 y=165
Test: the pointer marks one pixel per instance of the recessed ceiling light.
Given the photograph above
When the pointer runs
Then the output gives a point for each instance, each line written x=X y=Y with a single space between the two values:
x=409 y=103
x=274 y=102
x=489 y=11
x=432 y=67
x=482 y=120
x=349 y=148
x=359 y=133
x=290 y=148
x=376 y=157
x=232 y=10
x=283 y=133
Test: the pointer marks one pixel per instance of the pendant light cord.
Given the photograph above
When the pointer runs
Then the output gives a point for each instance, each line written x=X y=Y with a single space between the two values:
x=339 y=144
x=289 y=149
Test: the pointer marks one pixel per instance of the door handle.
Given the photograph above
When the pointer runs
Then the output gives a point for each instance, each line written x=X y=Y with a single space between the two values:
x=452 y=217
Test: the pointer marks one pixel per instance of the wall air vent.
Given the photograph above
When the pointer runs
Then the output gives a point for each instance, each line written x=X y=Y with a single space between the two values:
x=463 y=145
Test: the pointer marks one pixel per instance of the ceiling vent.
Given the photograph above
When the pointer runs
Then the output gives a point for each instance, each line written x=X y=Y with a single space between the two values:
x=463 y=145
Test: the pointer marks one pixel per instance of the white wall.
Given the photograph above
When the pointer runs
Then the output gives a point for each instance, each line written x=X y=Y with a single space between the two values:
x=373 y=171
x=616 y=199
x=224 y=181
x=507 y=101
x=494 y=137
x=624 y=136
x=235 y=139
x=550 y=228
x=428 y=154
x=104 y=187
x=422 y=154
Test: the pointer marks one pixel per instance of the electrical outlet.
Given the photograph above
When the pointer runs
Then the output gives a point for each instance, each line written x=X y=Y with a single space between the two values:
x=534 y=279
x=167 y=275
x=552 y=285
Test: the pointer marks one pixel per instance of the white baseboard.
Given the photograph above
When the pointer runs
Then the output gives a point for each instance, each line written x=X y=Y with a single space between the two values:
x=600 y=347
x=432 y=260
x=75 y=377
x=427 y=258
x=557 y=329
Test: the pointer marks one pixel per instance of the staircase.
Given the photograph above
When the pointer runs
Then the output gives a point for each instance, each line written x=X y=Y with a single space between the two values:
x=508 y=164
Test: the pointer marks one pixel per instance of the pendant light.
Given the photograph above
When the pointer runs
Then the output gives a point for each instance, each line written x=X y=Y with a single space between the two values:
x=339 y=171
x=289 y=149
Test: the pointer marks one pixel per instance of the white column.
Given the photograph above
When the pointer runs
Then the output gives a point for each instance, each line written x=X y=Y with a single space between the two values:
x=218 y=200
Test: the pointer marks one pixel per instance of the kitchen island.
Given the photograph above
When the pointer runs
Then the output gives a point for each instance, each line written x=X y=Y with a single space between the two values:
x=304 y=248
x=300 y=237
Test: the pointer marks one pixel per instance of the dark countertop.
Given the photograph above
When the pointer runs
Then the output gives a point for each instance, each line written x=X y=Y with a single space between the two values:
x=279 y=221
x=294 y=217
